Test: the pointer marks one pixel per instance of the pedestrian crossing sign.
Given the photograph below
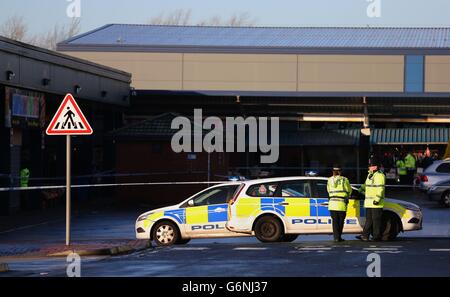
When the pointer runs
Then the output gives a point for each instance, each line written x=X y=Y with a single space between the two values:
x=69 y=119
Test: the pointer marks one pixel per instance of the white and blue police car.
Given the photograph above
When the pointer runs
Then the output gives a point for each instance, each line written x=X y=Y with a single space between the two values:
x=272 y=209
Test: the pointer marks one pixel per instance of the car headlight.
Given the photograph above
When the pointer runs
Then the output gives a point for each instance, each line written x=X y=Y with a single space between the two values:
x=143 y=217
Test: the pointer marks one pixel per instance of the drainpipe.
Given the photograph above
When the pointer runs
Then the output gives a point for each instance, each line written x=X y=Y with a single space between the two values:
x=364 y=143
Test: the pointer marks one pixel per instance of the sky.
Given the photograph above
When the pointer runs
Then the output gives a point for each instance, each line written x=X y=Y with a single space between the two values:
x=42 y=15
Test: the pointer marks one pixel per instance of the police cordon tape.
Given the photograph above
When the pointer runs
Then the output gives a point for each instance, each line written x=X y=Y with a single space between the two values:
x=97 y=175
x=6 y=189
x=109 y=173
x=110 y=185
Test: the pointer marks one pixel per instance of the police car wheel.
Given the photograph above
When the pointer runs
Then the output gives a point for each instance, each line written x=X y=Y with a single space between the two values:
x=165 y=233
x=268 y=229
x=392 y=227
x=289 y=237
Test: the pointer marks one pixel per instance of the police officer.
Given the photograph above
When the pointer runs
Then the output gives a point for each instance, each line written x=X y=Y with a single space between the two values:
x=339 y=190
x=410 y=164
x=401 y=170
x=24 y=177
x=24 y=195
x=374 y=189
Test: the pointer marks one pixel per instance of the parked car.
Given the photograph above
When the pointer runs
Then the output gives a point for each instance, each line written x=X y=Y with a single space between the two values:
x=279 y=209
x=440 y=191
x=437 y=172
x=273 y=209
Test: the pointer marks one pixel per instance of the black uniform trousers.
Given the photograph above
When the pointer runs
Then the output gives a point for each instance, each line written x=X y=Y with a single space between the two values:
x=338 y=218
x=410 y=176
x=373 y=223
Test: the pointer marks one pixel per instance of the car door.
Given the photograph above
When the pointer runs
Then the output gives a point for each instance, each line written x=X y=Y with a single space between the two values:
x=323 y=214
x=300 y=206
x=356 y=211
x=324 y=222
x=209 y=213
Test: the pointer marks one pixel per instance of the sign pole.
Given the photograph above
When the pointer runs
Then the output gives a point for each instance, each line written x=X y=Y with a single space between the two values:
x=68 y=189
x=68 y=120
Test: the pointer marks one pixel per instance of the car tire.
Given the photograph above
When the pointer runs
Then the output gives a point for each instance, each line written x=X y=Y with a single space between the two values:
x=391 y=227
x=268 y=229
x=446 y=199
x=289 y=237
x=183 y=241
x=165 y=233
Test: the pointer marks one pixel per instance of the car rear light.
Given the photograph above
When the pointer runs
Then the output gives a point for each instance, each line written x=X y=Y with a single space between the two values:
x=236 y=195
x=424 y=178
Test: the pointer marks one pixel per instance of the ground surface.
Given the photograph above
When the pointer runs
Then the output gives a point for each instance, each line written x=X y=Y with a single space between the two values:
x=419 y=253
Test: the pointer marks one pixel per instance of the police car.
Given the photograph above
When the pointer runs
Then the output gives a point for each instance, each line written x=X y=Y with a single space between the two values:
x=274 y=210
x=279 y=209
x=202 y=215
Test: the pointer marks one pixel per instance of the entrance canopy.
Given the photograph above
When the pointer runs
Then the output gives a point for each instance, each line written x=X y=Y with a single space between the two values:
x=350 y=137
x=401 y=136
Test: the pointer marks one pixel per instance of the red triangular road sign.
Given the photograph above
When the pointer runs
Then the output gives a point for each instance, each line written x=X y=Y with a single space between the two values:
x=69 y=119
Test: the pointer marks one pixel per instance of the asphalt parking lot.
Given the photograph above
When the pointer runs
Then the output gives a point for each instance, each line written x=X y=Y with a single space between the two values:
x=418 y=253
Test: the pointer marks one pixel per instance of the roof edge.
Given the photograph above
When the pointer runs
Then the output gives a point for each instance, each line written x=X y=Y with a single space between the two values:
x=84 y=34
x=9 y=45
x=249 y=49
x=274 y=27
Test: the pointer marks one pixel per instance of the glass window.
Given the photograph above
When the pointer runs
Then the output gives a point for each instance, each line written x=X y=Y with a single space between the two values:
x=414 y=73
x=321 y=188
x=217 y=195
x=262 y=190
x=296 y=189
x=443 y=168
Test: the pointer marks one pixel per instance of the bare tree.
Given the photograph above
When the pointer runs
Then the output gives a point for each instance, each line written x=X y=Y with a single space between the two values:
x=73 y=28
x=58 y=33
x=14 y=28
x=177 y=17
x=235 y=20
x=183 y=17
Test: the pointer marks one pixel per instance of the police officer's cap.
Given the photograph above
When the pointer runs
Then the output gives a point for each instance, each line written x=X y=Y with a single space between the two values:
x=336 y=167
x=373 y=161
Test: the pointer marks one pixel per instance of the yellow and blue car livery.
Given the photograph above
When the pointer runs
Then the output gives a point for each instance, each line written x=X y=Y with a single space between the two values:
x=192 y=220
x=300 y=213
x=300 y=205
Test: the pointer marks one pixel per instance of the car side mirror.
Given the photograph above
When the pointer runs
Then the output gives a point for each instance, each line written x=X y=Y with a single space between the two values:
x=191 y=202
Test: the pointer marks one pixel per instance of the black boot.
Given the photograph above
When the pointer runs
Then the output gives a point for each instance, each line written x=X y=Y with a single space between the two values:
x=362 y=238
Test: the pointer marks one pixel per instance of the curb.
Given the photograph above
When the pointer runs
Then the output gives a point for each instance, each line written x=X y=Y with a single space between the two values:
x=4 y=267
x=114 y=251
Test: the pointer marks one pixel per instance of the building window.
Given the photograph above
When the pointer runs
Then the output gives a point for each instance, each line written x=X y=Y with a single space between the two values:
x=414 y=73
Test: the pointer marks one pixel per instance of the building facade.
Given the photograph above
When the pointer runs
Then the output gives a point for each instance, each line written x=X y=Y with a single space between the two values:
x=33 y=82
x=325 y=84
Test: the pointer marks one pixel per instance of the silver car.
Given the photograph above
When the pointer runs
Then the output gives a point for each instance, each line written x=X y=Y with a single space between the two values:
x=440 y=191
x=437 y=172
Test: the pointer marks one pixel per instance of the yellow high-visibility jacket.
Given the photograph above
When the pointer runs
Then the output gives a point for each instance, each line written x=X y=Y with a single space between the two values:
x=401 y=167
x=410 y=162
x=339 y=190
x=374 y=189
x=24 y=177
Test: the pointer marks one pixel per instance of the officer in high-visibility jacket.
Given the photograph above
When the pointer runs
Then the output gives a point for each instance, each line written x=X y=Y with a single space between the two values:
x=374 y=189
x=402 y=172
x=24 y=195
x=410 y=164
x=339 y=191
x=24 y=177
